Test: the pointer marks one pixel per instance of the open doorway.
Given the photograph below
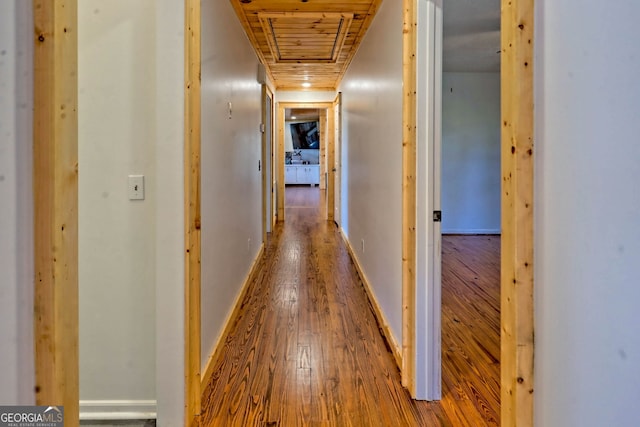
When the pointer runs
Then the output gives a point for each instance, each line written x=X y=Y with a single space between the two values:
x=304 y=157
x=457 y=290
x=470 y=198
x=306 y=133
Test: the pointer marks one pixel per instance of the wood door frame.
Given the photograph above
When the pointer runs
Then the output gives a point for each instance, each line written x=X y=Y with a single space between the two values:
x=267 y=164
x=517 y=241
x=516 y=277
x=282 y=106
x=192 y=225
x=337 y=164
x=55 y=192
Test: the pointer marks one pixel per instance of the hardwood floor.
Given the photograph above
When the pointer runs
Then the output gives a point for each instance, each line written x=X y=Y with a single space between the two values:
x=307 y=350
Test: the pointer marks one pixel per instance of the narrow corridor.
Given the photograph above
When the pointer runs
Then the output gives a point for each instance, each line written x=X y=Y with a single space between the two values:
x=307 y=350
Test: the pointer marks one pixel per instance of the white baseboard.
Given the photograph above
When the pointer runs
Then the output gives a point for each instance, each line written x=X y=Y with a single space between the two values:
x=118 y=410
x=471 y=231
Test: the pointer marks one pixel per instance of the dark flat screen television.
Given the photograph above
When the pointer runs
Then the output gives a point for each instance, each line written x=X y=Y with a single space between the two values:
x=305 y=135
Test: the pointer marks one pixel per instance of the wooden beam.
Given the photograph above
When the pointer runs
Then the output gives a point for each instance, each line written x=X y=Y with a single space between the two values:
x=55 y=176
x=517 y=344
x=409 y=122
x=192 y=212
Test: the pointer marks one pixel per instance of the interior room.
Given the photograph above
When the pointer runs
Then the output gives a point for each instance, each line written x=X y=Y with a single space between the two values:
x=302 y=144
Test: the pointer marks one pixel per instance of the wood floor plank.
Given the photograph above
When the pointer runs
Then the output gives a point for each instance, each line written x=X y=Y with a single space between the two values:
x=307 y=350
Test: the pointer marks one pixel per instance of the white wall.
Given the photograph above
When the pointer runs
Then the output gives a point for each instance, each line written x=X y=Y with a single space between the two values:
x=169 y=47
x=372 y=159
x=587 y=230
x=231 y=181
x=16 y=211
x=471 y=153
x=117 y=264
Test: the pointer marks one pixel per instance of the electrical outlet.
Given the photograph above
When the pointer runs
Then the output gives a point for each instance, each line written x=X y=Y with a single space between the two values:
x=362 y=242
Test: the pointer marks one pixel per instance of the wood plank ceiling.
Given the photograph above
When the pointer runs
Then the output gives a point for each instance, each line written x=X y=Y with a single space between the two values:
x=306 y=44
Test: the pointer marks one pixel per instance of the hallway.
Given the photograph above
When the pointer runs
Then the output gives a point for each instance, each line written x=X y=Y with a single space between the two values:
x=307 y=350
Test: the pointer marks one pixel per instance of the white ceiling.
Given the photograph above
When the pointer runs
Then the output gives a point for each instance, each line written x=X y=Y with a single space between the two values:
x=471 y=35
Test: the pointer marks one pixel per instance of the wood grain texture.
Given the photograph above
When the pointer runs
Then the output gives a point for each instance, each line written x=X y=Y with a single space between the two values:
x=280 y=120
x=331 y=159
x=409 y=191
x=517 y=212
x=192 y=211
x=307 y=349
x=55 y=172
x=266 y=163
x=295 y=39
x=322 y=119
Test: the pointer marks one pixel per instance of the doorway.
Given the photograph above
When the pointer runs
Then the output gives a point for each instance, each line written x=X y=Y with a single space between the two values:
x=470 y=177
x=304 y=157
x=291 y=167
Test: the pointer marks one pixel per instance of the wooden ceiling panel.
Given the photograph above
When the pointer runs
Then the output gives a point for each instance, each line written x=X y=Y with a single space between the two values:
x=306 y=41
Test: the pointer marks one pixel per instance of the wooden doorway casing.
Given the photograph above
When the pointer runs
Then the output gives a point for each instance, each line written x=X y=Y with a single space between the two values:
x=55 y=188
x=517 y=281
x=268 y=160
x=192 y=225
x=336 y=167
x=329 y=136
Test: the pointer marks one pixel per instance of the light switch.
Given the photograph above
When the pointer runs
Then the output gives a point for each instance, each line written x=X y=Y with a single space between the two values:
x=136 y=187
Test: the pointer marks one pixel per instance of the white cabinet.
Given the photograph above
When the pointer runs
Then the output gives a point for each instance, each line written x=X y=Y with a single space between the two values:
x=302 y=174
x=290 y=174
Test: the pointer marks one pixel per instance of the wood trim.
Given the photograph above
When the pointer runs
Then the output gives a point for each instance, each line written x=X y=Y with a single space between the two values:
x=330 y=139
x=337 y=160
x=280 y=162
x=323 y=150
x=268 y=30
x=396 y=350
x=192 y=211
x=232 y=318
x=409 y=122
x=282 y=106
x=324 y=164
x=263 y=157
x=55 y=187
x=517 y=320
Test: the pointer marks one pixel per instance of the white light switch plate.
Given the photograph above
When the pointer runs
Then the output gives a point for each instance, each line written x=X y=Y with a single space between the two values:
x=136 y=187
